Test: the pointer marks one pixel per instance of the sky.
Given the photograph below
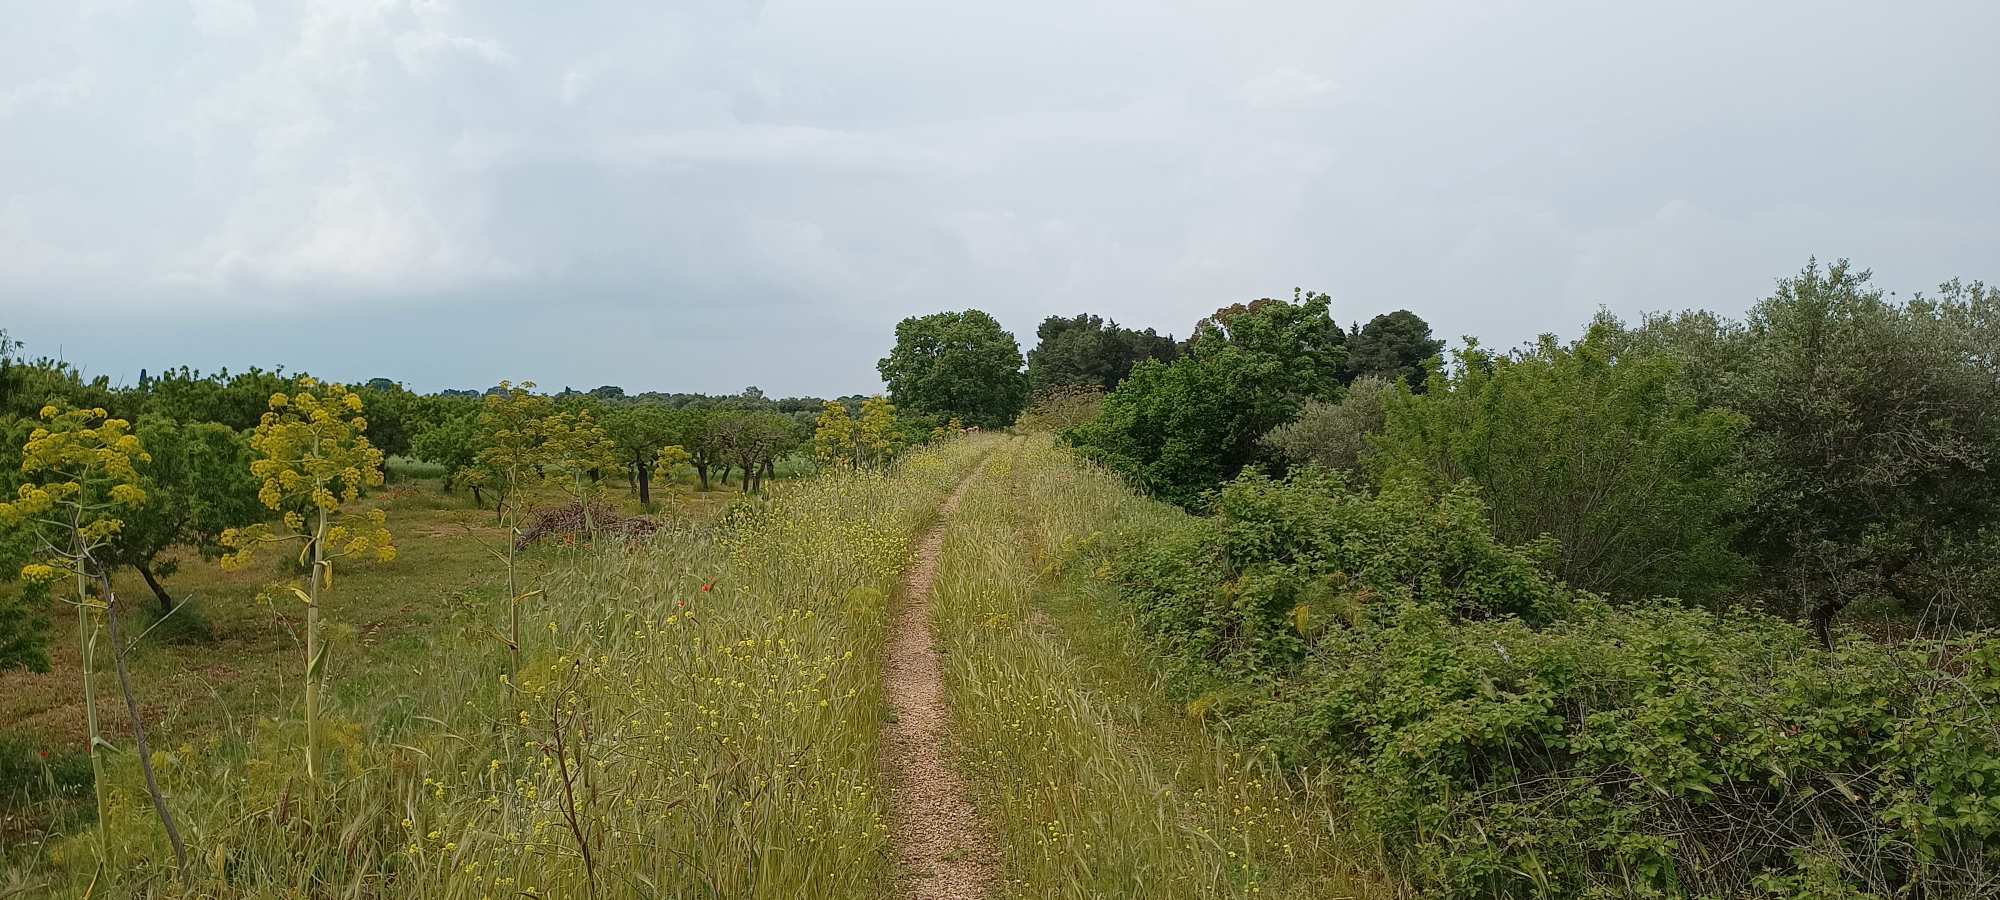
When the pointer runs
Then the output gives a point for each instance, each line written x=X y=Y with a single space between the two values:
x=706 y=195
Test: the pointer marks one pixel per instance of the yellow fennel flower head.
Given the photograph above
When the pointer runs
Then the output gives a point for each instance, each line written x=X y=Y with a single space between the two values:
x=39 y=573
x=128 y=494
x=280 y=401
x=353 y=402
x=50 y=411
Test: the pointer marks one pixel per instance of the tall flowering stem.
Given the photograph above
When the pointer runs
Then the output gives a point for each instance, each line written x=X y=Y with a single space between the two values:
x=510 y=432
x=80 y=476
x=313 y=461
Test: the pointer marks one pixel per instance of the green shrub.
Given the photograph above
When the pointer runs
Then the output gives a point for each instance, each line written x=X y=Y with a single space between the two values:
x=1503 y=734
x=1282 y=560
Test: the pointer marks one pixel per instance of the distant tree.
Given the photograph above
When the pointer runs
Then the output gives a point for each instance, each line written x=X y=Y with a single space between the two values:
x=10 y=375
x=639 y=431
x=956 y=364
x=453 y=444
x=394 y=416
x=608 y=392
x=198 y=485
x=382 y=384
x=28 y=385
x=1335 y=435
x=1392 y=346
x=694 y=430
x=752 y=442
x=1180 y=429
x=1086 y=350
x=236 y=400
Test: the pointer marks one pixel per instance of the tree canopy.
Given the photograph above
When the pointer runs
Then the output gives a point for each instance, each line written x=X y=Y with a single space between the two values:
x=959 y=365
x=1607 y=453
x=1392 y=346
x=1182 y=428
x=1087 y=350
x=1874 y=438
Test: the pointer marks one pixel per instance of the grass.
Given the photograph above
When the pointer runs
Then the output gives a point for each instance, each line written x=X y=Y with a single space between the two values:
x=1098 y=784
x=697 y=715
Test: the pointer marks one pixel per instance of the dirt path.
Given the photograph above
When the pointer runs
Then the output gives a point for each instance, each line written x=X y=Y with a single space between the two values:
x=943 y=847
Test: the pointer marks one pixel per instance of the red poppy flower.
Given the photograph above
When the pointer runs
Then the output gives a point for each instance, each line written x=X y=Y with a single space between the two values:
x=707 y=586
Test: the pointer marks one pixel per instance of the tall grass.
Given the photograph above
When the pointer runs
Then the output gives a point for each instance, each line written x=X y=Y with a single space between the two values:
x=696 y=716
x=1097 y=785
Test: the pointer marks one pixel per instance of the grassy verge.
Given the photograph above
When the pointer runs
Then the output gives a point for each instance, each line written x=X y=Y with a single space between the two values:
x=1098 y=784
x=695 y=717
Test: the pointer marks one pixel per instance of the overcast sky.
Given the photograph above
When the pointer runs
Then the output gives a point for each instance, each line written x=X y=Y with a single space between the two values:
x=701 y=196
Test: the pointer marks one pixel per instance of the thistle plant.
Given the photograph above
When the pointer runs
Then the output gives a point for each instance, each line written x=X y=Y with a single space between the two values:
x=79 y=477
x=313 y=460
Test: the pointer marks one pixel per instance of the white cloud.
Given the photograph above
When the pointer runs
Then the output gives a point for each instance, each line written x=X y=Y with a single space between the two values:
x=421 y=52
x=224 y=17
x=53 y=93
x=1286 y=89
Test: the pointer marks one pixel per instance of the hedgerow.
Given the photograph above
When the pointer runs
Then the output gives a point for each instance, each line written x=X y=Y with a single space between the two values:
x=1502 y=734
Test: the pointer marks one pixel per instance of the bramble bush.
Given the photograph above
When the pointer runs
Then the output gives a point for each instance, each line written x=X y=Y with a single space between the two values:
x=1503 y=734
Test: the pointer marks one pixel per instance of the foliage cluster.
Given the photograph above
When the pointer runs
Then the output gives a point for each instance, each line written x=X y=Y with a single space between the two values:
x=1606 y=452
x=1178 y=429
x=1504 y=734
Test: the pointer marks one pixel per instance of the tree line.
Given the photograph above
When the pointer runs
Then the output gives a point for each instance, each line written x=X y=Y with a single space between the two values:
x=1837 y=446
x=198 y=428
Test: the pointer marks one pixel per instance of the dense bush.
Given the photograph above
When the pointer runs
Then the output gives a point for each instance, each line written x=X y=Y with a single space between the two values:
x=1607 y=452
x=1503 y=734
